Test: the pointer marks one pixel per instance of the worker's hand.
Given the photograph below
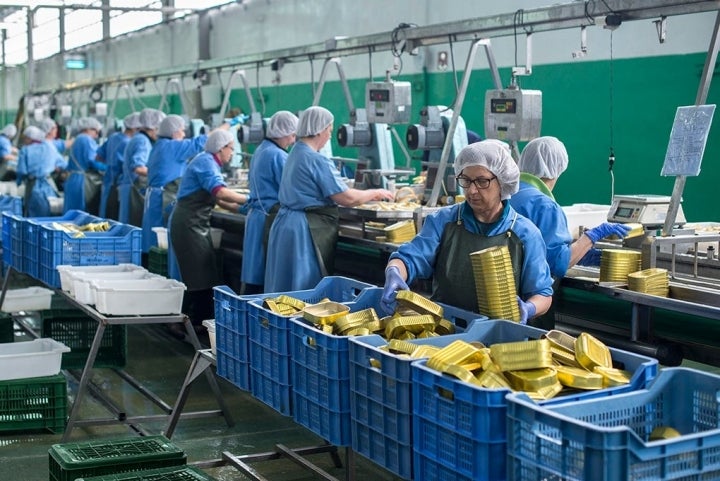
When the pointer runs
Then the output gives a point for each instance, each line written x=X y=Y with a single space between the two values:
x=393 y=283
x=591 y=258
x=382 y=194
x=240 y=119
x=527 y=310
x=607 y=229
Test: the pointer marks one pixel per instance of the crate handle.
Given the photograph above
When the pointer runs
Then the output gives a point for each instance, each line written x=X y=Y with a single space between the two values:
x=540 y=434
x=375 y=364
x=445 y=394
x=264 y=322
x=225 y=305
x=309 y=341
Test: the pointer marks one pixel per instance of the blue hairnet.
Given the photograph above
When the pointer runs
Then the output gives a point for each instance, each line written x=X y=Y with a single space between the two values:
x=9 y=131
x=34 y=133
x=544 y=157
x=151 y=118
x=281 y=124
x=132 y=121
x=89 y=123
x=314 y=120
x=47 y=125
x=217 y=140
x=494 y=156
x=170 y=125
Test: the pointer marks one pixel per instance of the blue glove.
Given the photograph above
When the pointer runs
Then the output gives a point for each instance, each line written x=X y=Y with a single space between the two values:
x=393 y=283
x=591 y=258
x=607 y=229
x=527 y=310
x=240 y=119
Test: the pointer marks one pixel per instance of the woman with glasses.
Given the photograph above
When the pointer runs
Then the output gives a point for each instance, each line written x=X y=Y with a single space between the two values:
x=202 y=186
x=489 y=176
x=301 y=248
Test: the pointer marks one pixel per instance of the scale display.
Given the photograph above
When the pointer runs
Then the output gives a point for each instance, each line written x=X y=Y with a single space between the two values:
x=648 y=210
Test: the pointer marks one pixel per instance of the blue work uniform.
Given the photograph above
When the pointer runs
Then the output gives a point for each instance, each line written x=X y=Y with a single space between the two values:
x=308 y=180
x=82 y=163
x=36 y=162
x=549 y=217
x=420 y=255
x=59 y=145
x=136 y=155
x=166 y=166
x=5 y=146
x=113 y=152
x=266 y=168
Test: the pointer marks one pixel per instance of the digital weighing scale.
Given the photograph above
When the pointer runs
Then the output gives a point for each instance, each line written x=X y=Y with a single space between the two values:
x=649 y=210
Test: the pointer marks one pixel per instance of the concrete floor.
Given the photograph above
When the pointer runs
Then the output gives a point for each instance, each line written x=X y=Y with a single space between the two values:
x=160 y=363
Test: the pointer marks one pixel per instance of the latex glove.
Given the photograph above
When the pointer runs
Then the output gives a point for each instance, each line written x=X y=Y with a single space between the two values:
x=393 y=283
x=240 y=119
x=591 y=258
x=607 y=229
x=527 y=310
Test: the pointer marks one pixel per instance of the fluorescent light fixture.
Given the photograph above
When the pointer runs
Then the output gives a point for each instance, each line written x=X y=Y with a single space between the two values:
x=75 y=61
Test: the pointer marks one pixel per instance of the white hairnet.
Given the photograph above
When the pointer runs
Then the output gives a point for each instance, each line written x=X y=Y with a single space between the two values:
x=9 y=131
x=151 y=118
x=314 y=120
x=89 y=123
x=544 y=157
x=217 y=140
x=281 y=124
x=47 y=125
x=132 y=121
x=34 y=133
x=494 y=156
x=170 y=125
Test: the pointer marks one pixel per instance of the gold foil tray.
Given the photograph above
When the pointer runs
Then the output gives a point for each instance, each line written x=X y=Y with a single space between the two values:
x=420 y=304
x=578 y=378
x=532 y=379
x=522 y=355
x=458 y=353
x=591 y=352
x=291 y=301
x=561 y=339
x=412 y=324
x=325 y=312
x=613 y=377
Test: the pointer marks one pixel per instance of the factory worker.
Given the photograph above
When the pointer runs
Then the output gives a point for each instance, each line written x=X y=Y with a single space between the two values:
x=303 y=237
x=112 y=152
x=8 y=152
x=541 y=163
x=202 y=186
x=83 y=185
x=50 y=127
x=165 y=167
x=37 y=160
x=266 y=167
x=133 y=182
x=489 y=176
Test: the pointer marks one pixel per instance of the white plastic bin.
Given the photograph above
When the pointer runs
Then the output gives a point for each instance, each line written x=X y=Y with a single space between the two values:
x=162 y=236
x=36 y=358
x=66 y=271
x=82 y=282
x=138 y=297
x=210 y=325
x=27 y=299
x=585 y=215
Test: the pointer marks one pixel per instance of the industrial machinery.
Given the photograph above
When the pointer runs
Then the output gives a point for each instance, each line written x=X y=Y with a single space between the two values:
x=195 y=128
x=512 y=114
x=430 y=136
x=649 y=210
x=388 y=102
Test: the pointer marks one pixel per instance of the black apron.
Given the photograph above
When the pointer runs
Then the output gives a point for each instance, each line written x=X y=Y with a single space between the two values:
x=453 y=279
x=269 y=219
x=112 y=206
x=137 y=200
x=92 y=187
x=29 y=186
x=192 y=242
x=323 y=223
x=169 y=195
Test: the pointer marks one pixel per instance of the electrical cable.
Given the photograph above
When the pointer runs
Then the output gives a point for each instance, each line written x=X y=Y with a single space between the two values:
x=398 y=42
x=259 y=88
x=452 y=62
x=370 y=62
x=611 y=157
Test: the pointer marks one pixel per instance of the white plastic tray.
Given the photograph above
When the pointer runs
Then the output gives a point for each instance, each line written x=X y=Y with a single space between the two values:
x=36 y=358
x=65 y=271
x=83 y=292
x=27 y=299
x=162 y=237
x=141 y=297
x=210 y=326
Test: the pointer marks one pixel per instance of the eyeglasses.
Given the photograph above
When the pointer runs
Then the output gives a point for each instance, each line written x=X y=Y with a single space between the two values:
x=231 y=147
x=480 y=182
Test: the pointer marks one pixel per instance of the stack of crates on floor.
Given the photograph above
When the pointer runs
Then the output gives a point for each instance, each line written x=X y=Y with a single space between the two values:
x=321 y=377
x=669 y=431
x=460 y=429
x=270 y=375
x=381 y=393
x=178 y=473
x=231 y=336
x=70 y=461
x=34 y=403
x=158 y=261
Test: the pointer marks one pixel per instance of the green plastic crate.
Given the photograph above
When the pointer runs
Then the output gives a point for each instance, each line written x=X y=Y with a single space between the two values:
x=7 y=333
x=158 y=261
x=70 y=461
x=178 y=473
x=76 y=330
x=34 y=403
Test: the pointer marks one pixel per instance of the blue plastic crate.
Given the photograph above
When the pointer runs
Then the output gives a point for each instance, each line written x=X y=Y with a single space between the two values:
x=12 y=204
x=274 y=394
x=331 y=425
x=607 y=439
x=31 y=235
x=459 y=430
x=7 y=220
x=121 y=244
x=17 y=246
x=269 y=332
x=234 y=370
